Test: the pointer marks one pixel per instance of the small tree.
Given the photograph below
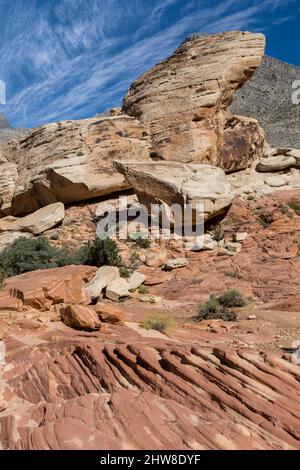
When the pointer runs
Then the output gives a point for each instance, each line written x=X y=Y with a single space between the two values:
x=232 y=298
x=100 y=253
x=31 y=254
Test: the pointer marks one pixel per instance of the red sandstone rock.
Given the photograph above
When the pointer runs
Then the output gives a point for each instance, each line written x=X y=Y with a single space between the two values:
x=80 y=317
x=109 y=313
x=72 y=391
x=42 y=289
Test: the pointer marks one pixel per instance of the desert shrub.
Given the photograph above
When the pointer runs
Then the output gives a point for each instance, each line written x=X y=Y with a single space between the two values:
x=295 y=206
x=140 y=239
x=134 y=260
x=143 y=242
x=124 y=272
x=31 y=254
x=158 y=322
x=265 y=220
x=232 y=298
x=217 y=232
x=143 y=289
x=99 y=253
x=2 y=278
x=217 y=307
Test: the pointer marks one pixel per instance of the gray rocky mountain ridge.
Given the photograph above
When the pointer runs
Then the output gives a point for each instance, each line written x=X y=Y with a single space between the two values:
x=7 y=132
x=267 y=97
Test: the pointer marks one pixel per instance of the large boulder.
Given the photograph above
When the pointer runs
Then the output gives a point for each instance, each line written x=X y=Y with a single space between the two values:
x=103 y=277
x=80 y=317
x=183 y=101
x=109 y=313
x=7 y=238
x=43 y=289
x=68 y=161
x=35 y=223
x=176 y=183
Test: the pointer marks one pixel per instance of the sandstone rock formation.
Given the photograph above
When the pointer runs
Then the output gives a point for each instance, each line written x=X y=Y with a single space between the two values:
x=206 y=386
x=109 y=313
x=176 y=183
x=117 y=289
x=103 y=277
x=68 y=161
x=36 y=223
x=80 y=317
x=6 y=238
x=276 y=163
x=7 y=132
x=42 y=290
x=85 y=391
x=184 y=99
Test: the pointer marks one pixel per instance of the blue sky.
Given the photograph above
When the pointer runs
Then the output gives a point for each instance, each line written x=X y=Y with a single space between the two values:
x=69 y=59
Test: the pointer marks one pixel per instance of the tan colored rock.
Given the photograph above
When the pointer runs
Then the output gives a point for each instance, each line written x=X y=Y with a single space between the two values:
x=103 y=277
x=281 y=162
x=296 y=154
x=176 y=264
x=202 y=243
x=68 y=161
x=156 y=256
x=6 y=238
x=117 y=289
x=109 y=313
x=36 y=223
x=184 y=99
x=177 y=183
x=136 y=280
x=276 y=181
x=80 y=317
x=240 y=237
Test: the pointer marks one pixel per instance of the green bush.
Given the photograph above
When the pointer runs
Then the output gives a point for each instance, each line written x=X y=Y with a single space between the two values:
x=31 y=254
x=158 y=322
x=210 y=308
x=232 y=298
x=217 y=307
x=143 y=289
x=2 y=278
x=140 y=239
x=99 y=253
x=295 y=206
x=124 y=272
x=217 y=232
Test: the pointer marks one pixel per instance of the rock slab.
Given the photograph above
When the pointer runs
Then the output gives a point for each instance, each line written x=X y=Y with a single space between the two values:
x=184 y=99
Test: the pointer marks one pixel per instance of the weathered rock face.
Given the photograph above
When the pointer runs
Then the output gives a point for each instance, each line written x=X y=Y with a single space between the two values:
x=68 y=161
x=35 y=223
x=6 y=238
x=109 y=313
x=43 y=290
x=80 y=317
x=176 y=183
x=67 y=390
x=184 y=99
